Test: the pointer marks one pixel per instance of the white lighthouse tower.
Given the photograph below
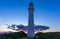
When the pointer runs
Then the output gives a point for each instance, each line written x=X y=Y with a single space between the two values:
x=31 y=21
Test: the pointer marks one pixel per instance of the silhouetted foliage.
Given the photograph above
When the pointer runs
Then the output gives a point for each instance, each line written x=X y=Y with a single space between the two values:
x=19 y=35
x=15 y=35
x=50 y=35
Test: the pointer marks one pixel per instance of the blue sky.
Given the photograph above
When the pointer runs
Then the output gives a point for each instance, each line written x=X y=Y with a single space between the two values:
x=47 y=12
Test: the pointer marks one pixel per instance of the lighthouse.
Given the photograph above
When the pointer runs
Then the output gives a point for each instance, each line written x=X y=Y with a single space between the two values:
x=31 y=21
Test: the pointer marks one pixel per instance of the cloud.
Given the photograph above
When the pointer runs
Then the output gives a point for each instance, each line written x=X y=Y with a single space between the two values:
x=25 y=28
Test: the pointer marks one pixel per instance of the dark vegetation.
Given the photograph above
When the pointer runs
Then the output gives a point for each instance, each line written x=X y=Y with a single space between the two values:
x=50 y=35
x=19 y=35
